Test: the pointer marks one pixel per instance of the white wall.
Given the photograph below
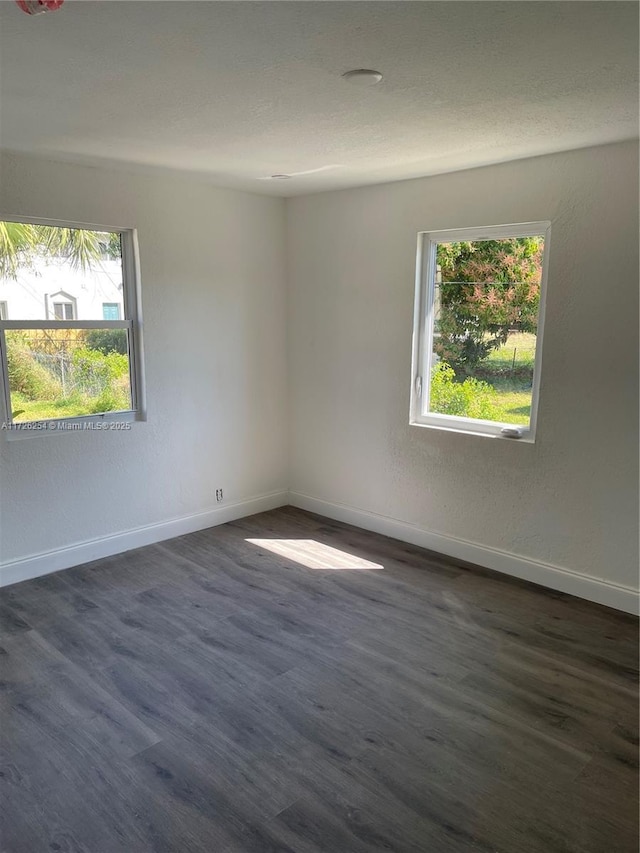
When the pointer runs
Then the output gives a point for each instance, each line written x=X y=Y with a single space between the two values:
x=214 y=335
x=569 y=501
x=221 y=413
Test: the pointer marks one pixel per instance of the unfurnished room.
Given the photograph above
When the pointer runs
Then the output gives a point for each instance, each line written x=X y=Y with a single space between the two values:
x=319 y=439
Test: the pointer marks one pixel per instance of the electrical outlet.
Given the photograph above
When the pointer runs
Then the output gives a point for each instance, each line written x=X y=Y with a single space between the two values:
x=219 y=495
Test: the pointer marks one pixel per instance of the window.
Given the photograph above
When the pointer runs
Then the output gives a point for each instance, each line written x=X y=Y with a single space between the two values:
x=63 y=311
x=57 y=306
x=478 y=319
x=4 y=311
x=110 y=311
x=63 y=357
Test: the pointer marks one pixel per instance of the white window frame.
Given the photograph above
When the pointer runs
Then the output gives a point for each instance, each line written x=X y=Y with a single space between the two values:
x=132 y=309
x=4 y=309
x=422 y=350
x=60 y=297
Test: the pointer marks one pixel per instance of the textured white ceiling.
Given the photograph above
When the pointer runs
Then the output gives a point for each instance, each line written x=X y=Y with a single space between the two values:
x=236 y=91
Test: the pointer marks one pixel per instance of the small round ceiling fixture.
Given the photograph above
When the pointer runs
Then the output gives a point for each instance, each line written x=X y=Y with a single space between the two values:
x=362 y=77
x=280 y=177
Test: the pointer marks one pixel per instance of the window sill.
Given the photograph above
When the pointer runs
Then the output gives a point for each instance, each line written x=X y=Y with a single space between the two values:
x=527 y=438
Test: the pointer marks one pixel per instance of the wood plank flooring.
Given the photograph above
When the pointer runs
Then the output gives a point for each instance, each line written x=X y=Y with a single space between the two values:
x=208 y=695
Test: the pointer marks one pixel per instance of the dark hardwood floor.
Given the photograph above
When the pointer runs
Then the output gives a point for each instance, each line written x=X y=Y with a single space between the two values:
x=208 y=694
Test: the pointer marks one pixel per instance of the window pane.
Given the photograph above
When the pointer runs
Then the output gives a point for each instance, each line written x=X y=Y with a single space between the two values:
x=63 y=310
x=486 y=305
x=53 y=273
x=63 y=373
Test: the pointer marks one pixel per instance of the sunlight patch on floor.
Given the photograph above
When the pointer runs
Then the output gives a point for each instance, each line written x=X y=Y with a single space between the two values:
x=314 y=555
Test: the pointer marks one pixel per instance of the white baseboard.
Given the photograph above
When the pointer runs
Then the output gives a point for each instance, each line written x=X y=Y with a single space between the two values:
x=563 y=580
x=84 y=552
